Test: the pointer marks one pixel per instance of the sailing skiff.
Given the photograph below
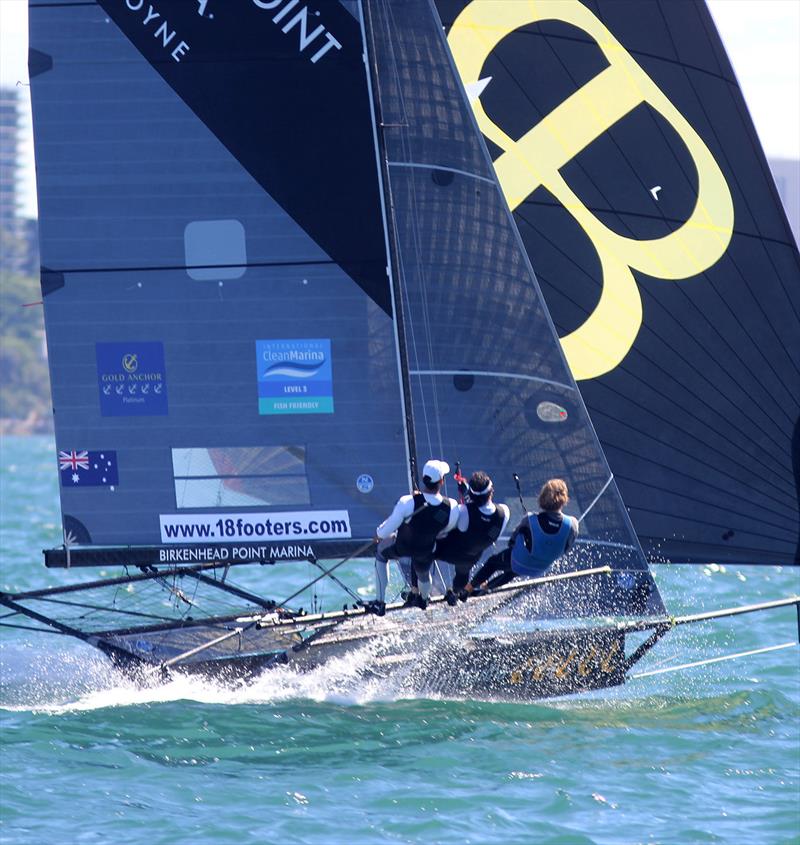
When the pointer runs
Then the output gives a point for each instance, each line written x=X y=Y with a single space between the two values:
x=289 y=249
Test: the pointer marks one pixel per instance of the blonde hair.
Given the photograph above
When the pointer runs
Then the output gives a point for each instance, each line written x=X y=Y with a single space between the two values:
x=554 y=495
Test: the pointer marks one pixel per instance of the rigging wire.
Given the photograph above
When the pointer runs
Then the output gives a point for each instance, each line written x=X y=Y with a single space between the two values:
x=713 y=660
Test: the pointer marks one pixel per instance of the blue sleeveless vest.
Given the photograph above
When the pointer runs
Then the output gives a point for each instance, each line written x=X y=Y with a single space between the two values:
x=546 y=548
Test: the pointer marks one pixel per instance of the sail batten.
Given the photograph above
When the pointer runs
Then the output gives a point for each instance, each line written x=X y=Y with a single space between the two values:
x=441 y=168
x=490 y=374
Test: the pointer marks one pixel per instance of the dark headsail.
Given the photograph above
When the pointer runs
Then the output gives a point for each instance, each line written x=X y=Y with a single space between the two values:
x=489 y=382
x=639 y=187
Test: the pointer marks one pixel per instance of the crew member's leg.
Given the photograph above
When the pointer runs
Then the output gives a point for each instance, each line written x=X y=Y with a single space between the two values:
x=404 y=565
x=501 y=562
x=461 y=576
x=383 y=554
x=423 y=570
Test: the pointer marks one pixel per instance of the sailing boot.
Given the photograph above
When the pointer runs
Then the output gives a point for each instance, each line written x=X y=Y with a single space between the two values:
x=375 y=606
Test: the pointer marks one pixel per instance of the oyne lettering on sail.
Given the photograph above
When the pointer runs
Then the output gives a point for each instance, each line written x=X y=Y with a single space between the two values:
x=287 y=16
x=535 y=160
x=162 y=31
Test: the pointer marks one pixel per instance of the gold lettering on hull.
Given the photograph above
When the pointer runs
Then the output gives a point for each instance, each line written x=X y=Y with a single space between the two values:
x=535 y=160
x=607 y=663
x=584 y=667
x=561 y=664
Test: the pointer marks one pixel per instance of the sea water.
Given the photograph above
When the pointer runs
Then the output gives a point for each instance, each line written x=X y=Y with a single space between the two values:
x=706 y=754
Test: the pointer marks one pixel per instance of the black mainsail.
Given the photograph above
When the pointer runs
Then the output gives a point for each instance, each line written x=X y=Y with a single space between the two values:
x=641 y=192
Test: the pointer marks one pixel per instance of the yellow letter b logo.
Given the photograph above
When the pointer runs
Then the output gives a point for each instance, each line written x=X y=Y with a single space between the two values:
x=536 y=158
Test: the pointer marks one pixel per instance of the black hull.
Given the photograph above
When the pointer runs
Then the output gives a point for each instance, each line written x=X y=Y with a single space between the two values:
x=536 y=665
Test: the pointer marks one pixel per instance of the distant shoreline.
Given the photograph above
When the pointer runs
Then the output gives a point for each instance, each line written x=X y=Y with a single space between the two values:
x=35 y=423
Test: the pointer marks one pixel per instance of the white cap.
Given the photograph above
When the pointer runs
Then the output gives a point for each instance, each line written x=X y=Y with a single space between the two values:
x=435 y=470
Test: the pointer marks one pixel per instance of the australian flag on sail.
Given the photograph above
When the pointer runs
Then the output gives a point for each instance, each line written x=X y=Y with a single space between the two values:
x=88 y=469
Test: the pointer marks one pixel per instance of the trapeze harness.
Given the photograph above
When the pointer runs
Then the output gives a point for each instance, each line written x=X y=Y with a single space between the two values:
x=463 y=548
x=416 y=538
x=545 y=547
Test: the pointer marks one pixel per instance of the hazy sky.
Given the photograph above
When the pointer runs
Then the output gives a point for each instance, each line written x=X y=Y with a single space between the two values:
x=762 y=38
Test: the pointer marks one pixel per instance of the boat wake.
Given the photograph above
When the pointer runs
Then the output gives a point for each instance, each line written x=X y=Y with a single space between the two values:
x=78 y=680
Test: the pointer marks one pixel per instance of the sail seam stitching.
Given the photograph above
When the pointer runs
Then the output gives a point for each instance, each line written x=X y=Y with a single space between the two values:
x=178 y=267
x=641 y=215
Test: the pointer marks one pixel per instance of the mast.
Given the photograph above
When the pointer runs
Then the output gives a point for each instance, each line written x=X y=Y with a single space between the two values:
x=392 y=250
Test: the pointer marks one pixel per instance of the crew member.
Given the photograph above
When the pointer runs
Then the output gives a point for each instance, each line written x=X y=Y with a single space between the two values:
x=480 y=523
x=409 y=535
x=537 y=542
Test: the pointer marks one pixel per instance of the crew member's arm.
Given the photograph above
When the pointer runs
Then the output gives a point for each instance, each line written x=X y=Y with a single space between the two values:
x=402 y=511
x=523 y=528
x=573 y=534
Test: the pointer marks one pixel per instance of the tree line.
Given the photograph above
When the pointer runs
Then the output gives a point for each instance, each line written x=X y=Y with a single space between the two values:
x=25 y=405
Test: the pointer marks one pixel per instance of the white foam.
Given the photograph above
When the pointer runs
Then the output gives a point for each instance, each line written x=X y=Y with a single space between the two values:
x=94 y=684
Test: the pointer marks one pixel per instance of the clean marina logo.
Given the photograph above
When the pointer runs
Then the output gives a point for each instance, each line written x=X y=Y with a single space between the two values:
x=294 y=376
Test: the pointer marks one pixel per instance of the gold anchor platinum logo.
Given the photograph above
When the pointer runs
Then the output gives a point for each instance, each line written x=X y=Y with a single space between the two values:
x=130 y=362
x=607 y=335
